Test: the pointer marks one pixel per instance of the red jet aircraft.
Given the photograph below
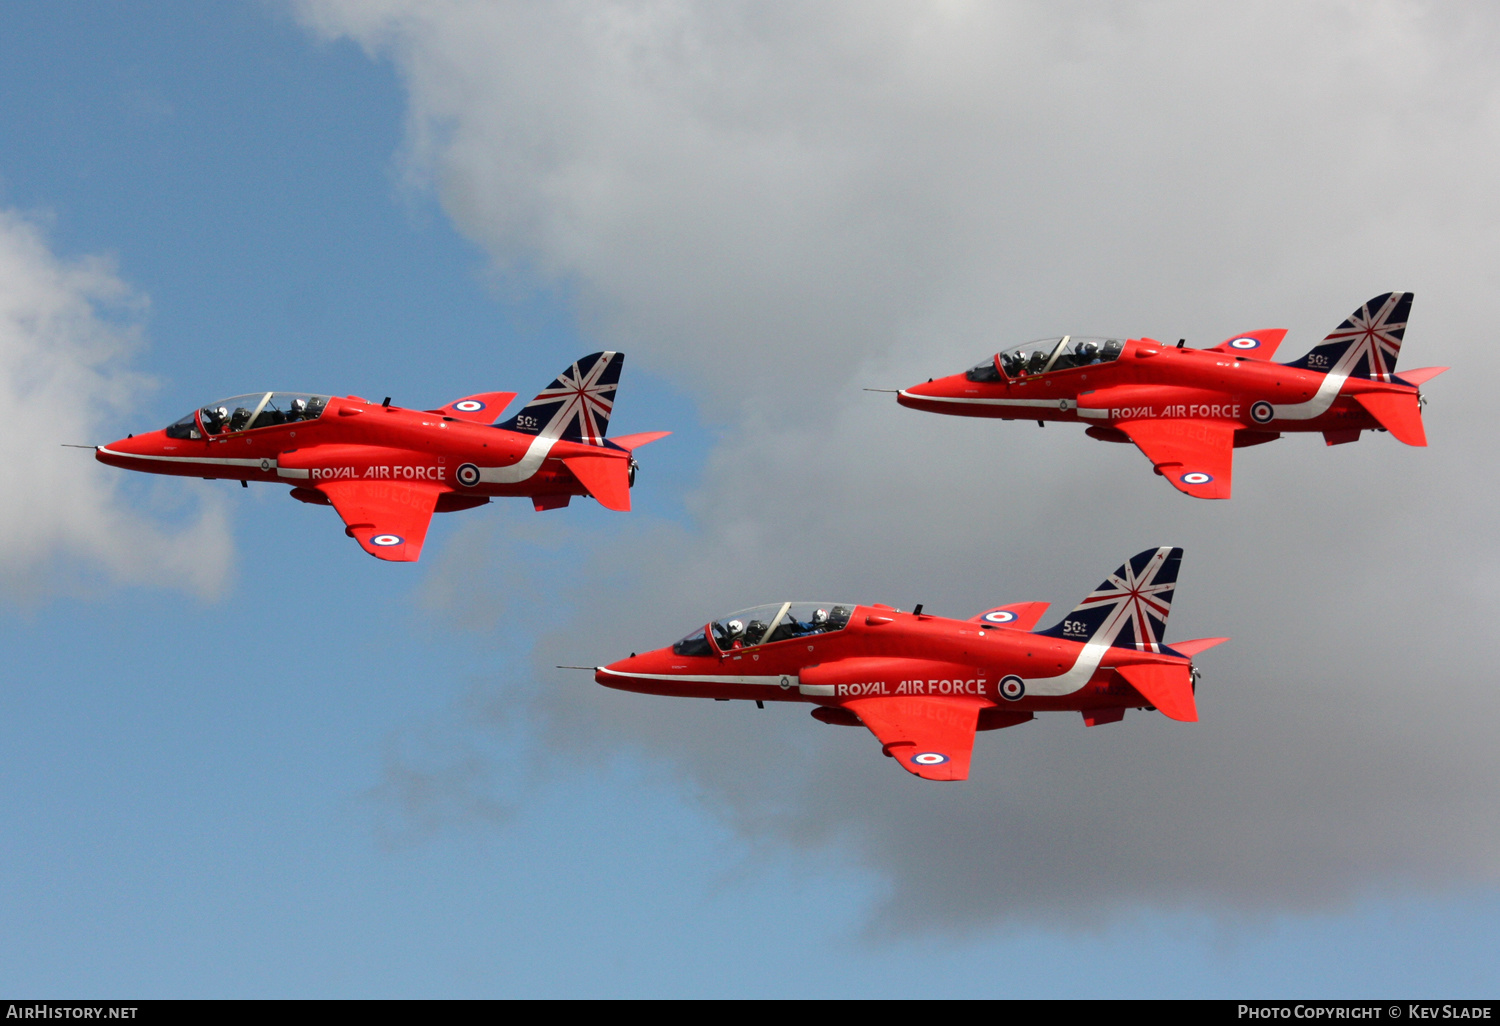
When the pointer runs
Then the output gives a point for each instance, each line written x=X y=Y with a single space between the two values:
x=386 y=470
x=924 y=684
x=1189 y=409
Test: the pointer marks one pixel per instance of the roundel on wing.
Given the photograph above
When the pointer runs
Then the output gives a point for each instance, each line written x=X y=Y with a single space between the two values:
x=999 y=616
x=1262 y=412
x=1013 y=688
x=1245 y=343
x=467 y=474
x=1196 y=477
x=929 y=758
x=469 y=405
x=385 y=541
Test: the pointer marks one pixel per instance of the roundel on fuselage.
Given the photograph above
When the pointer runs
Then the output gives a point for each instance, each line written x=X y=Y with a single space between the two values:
x=467 y=475
x=1262 y=412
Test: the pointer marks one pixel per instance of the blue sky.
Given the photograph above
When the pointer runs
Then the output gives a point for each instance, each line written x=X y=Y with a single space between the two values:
x=331 y=776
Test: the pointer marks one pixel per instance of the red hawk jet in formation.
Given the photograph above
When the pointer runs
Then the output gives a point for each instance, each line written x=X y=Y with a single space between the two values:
x=1189 y=409
x=386 y=470
x=924 y=684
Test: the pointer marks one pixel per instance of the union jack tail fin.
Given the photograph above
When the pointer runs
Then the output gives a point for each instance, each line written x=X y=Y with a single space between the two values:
x=1367 y=343
x=1130 y=609
x=576 y=406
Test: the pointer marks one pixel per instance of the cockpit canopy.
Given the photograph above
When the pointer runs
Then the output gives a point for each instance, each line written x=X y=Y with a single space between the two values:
x=765 y=625
x=1047 y=354
x=247 y=412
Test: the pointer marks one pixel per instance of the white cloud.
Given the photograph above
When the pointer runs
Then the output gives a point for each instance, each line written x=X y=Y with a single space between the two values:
x=775 y=204
x=67 y=329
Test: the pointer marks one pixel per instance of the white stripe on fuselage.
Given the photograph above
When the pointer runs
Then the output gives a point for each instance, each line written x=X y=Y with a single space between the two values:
x=214 y=461
x=1050 y=403
x=773 y=680
x=536 y=454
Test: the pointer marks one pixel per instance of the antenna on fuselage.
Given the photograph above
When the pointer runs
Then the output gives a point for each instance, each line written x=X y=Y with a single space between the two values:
x=387 y=403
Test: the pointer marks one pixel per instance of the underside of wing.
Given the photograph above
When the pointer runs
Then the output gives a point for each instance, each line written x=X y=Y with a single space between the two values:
x=1020 y=616
x=387 y=518
x=1197 y=456
x=931 y=737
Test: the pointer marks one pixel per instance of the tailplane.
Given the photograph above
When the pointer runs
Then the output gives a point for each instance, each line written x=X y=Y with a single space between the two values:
x=1367 y=343
x=577 y=405
x=1130 y=609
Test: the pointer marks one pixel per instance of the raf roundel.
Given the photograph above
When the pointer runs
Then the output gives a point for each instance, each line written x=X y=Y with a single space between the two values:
x=385 y=541
x=1262 y=412
x=999 y=616
x=1245 y=343
x=1013 y=688
x=1197 y=477
x=467 y=474
x=469 y=406
x=929 y=758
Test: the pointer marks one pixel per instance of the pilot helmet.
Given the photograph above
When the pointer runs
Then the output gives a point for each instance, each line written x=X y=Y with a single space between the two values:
x=298 y=405
x=736 y=628
x=820 y=617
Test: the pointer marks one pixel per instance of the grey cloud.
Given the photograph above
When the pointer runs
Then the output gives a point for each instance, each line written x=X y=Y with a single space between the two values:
x=67 y=330
x=777 y=204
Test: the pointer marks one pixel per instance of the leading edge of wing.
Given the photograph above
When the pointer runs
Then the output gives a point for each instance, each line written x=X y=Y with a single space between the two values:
x=1196 y=456
x=389 y=519
x=930 y=737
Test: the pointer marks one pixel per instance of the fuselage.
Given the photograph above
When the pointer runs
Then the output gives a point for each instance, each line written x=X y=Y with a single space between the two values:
x=356 y=440
x=882 y=652
x=1151 y=381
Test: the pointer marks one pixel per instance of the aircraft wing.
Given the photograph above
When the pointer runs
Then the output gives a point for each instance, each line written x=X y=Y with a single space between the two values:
x=1197 y=456
x=932 y=737
x=388 y=518
x=1021 y=616
x=1255 y=345
x=483 y=408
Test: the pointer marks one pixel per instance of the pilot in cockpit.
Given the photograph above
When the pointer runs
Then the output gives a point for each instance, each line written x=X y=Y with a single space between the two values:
x=298 y=411
x=214 y=420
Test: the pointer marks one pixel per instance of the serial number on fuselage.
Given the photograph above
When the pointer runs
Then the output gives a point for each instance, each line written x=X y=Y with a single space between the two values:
x=934 y=686
x=397 y=472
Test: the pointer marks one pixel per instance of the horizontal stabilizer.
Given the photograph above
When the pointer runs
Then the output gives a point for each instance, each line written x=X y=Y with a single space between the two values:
x=1192 y=648
x=484 y=408
x=1169 y=688
x=1256 y=345
x=1420 y=376
x=1020 y=616
x=1397 y=412
x=632 y=442
x=606 y=477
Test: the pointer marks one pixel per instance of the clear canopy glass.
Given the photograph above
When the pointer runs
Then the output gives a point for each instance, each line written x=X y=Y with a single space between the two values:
x=766 y=625
x=248 y=412
x=1040 y=356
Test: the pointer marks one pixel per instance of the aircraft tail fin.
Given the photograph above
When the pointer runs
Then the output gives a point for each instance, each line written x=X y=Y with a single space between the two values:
x=1130 y=609
x=577 y=405
x=1367 y=343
